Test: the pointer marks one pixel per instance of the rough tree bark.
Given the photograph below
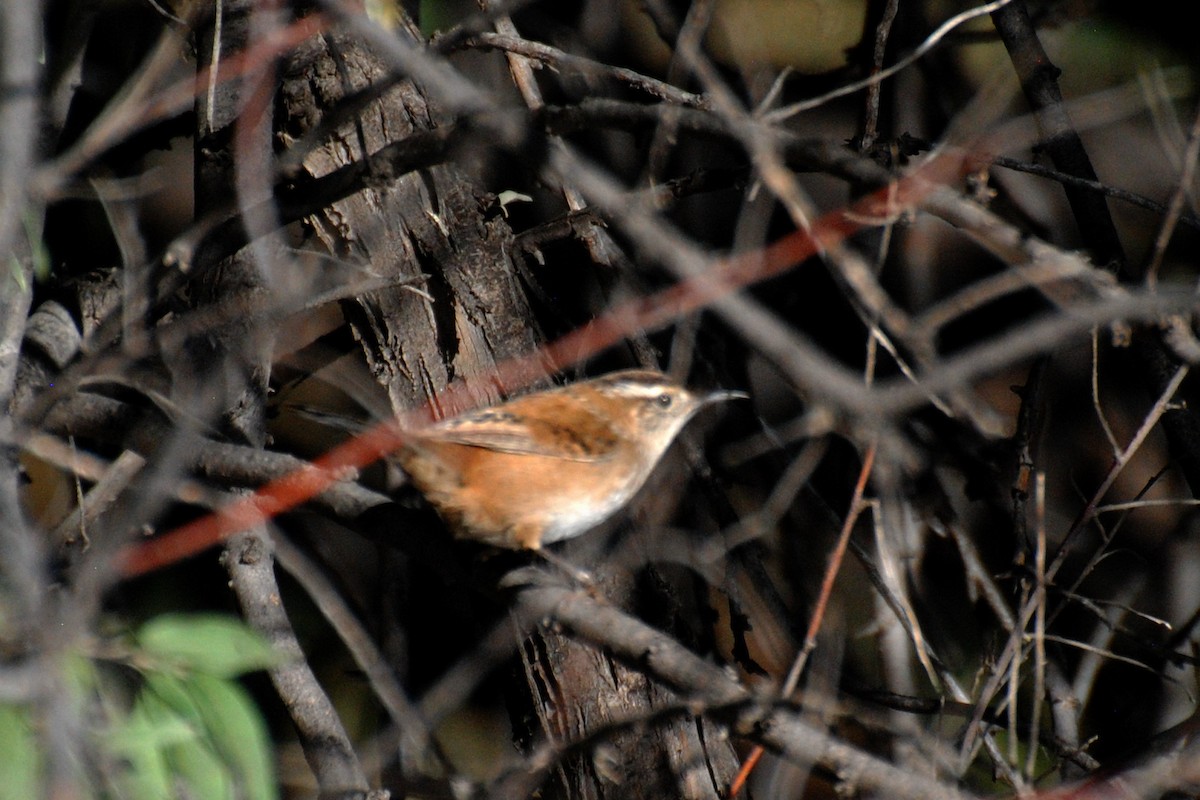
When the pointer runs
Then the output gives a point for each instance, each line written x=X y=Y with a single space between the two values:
x=440 y=227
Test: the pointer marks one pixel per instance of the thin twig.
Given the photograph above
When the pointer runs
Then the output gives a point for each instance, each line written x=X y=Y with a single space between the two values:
x=930 y=42
x=832 y=569
x=509 y=42
x=1183 y=189
x=1039 y=627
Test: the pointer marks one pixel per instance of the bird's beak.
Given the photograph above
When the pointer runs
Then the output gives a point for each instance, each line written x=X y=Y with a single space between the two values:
x=723 y=395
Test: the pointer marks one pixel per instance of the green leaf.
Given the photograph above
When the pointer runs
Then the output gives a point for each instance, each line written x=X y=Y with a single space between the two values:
x=20 y=764
x=195 y=764
x=140 y=742
x=212 y=643
x=172 y=693
x=18 y=274
x=39 y=255
x=239 y=734
x=230 y=728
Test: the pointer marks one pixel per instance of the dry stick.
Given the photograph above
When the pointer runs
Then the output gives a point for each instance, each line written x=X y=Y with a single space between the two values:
x=22 y=569
x=1131 y=505
x=1059 y=138
x=981 y=577
x=1039 y=623
x=1064 y=717
x=250 y=564
x=899 y=513
x=1124 y=195
x=1013 y=685
x=1041 y=270
x=1094 y=653
x=20 y=41
x=1025 y=484
x=110 y=484
x=1027 y=443
x=831 y=572
x=214 y=61
x=818 y=616
x=1181 y=193
x=899 y=396
x=252 y=146
x=1097 y=405
x=874 y=91
x=1101 y=652
x=679 y=34
x=510 y=43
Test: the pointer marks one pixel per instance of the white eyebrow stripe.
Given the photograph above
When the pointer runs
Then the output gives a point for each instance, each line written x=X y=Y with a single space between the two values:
x=639 y=389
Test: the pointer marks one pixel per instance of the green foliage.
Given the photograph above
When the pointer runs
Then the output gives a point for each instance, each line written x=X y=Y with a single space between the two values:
x=208 y=643
x=39 y=256
x=185 y=728
x=19 y=762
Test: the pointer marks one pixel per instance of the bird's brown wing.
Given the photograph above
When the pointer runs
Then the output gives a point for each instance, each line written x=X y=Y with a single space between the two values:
x=508 y=429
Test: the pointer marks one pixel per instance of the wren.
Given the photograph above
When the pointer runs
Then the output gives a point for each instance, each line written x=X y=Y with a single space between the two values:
x=550 y=465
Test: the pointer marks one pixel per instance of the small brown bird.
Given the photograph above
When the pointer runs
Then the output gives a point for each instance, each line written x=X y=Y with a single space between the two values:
x=551 y=465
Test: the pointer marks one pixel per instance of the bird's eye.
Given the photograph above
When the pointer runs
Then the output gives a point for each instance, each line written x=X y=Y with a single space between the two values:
x=663 y=400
